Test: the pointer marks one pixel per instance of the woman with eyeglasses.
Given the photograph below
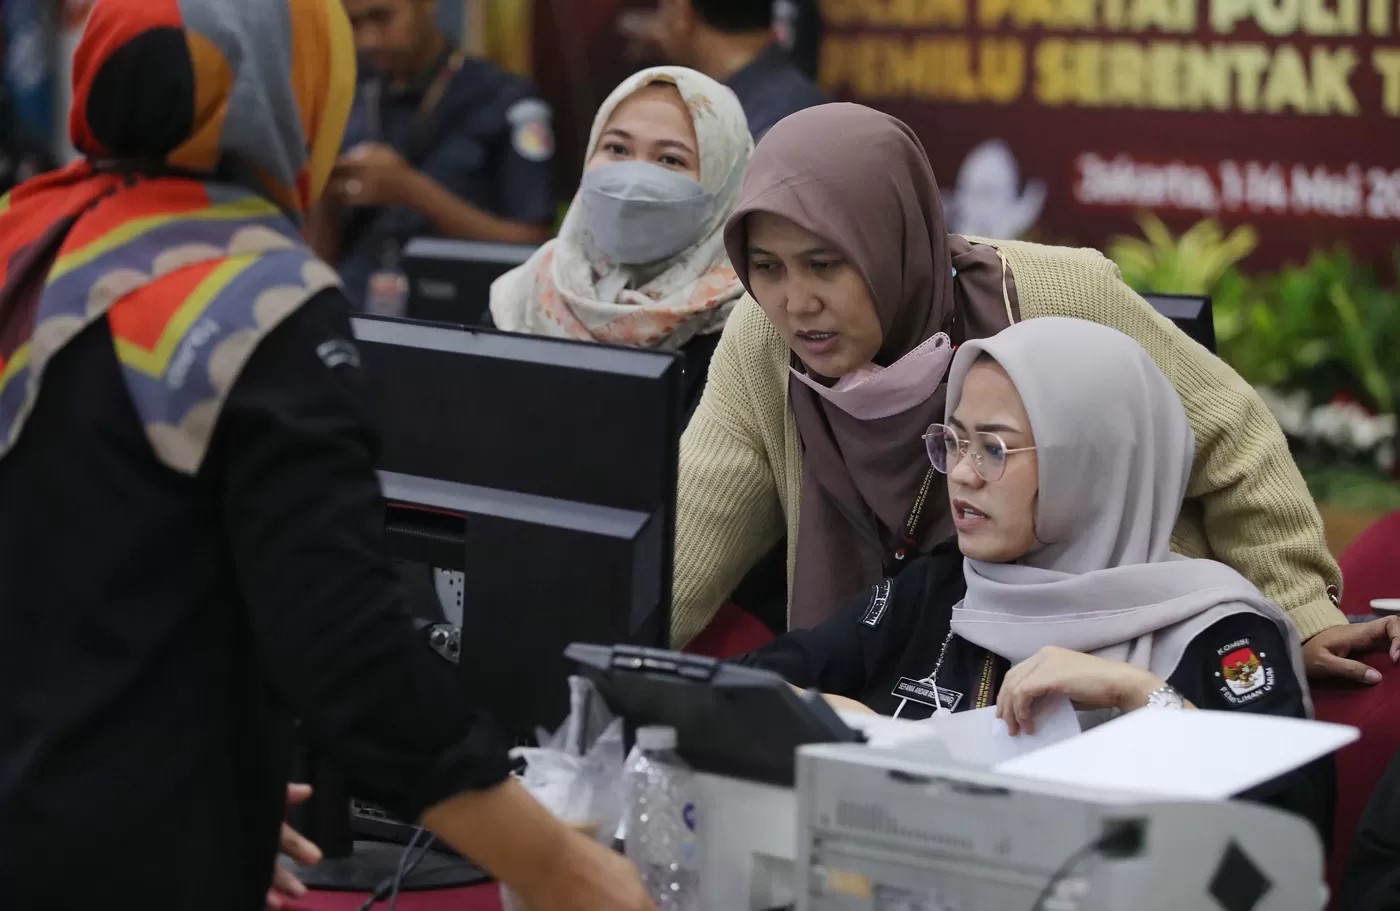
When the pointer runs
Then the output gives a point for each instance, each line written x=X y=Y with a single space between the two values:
x=1067 y=455
x=808 y=429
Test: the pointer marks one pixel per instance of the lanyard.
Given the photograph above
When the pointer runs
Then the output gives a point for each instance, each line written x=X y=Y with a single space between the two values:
x=432 y=96
x=932 y=680
x=910 y=539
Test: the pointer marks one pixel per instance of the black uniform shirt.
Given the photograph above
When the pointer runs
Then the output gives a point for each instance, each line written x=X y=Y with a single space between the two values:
x=158 y=632
x=881 y=650
x=488 y=139
x=1372 y=881
x=771 y=87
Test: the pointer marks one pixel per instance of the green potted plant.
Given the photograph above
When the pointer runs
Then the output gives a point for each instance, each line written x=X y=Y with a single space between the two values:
x=1319 y=340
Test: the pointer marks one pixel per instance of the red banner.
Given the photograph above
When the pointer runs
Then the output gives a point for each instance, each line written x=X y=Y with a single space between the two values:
x=1062 y=119
x=581 y=52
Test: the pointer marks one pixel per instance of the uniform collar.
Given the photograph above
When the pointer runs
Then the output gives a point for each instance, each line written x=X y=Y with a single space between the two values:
x=421 y=83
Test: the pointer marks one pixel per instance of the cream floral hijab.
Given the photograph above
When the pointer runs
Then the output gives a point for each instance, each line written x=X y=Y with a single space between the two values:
x=569 y=289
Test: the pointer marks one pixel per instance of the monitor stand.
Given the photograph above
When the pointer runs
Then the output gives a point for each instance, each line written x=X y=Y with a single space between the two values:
x=365 y=865
x=371 y=865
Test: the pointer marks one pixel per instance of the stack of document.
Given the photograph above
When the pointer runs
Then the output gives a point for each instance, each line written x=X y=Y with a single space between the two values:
x=1189 y=754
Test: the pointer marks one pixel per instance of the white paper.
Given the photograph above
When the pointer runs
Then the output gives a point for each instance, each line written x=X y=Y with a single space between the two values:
x=881 y=731
x=980 y=737
x=1190 y=755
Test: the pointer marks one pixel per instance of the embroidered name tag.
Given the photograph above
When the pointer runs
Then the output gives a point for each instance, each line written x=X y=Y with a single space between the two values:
x=879 y=602
x=924 y=693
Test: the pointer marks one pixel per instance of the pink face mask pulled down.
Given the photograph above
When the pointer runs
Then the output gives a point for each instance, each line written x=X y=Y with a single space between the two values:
x=872 y=392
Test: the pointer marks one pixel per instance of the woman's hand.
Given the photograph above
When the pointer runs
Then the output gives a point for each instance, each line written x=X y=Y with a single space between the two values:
x=1087 y=681
x=840 y=703
x=1328 y=654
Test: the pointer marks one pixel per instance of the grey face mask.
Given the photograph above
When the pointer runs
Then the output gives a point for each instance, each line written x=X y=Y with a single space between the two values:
x=642 y=213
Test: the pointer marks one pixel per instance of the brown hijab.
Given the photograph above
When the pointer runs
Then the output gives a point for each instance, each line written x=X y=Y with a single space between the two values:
x=860 y=179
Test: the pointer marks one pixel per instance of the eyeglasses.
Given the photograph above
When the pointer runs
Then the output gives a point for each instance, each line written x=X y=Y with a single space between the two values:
x=989 y=453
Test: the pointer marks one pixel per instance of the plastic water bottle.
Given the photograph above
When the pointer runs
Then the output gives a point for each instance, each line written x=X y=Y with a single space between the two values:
x=387 y=294
x=661 y=821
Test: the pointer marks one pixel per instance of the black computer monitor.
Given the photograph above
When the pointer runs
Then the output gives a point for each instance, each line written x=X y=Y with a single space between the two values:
x=449 y=281
x=543 y=470
x=1191 y=313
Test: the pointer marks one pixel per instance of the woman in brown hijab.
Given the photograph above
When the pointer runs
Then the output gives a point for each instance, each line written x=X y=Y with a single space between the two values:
x=811 y=423
x=871 y=294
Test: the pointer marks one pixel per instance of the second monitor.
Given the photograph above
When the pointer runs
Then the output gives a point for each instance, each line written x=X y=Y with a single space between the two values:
x=545 y=472
x=449 y=281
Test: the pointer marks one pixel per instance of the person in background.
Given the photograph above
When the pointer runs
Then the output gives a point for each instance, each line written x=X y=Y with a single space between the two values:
x=732 y=41
x=22 y=156
x=438 y=144
x=640 y=260
x=819 y=388
x=191 y=545
x=1067 y=454
x=799 y=27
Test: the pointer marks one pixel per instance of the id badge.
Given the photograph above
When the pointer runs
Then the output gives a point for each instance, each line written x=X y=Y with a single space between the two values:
x=941 y=699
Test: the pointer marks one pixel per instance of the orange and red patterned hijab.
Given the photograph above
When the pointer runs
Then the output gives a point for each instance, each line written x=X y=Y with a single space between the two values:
x=208 y=127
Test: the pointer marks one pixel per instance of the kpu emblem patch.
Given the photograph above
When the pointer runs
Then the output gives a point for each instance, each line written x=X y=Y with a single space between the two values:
x=1245 y=673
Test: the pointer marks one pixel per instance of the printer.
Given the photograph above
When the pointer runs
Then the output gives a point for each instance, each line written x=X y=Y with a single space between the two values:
x=800 y=808
x=900 y=830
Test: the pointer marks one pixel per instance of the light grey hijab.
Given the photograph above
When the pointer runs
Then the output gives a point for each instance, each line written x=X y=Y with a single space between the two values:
x=1114 y=449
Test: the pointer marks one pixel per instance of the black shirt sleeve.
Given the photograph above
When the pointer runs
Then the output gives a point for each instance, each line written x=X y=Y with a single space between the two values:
x=1242 y=664
x=874 y=635
x=303 y=514
x=1372 y=881
x=828 y=657
x=497 y=133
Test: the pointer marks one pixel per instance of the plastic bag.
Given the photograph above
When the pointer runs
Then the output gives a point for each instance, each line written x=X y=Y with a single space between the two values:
x=576 y=772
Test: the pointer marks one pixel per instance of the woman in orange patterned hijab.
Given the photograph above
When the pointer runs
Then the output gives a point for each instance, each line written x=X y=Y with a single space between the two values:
x=250 y=99
x=191 y=529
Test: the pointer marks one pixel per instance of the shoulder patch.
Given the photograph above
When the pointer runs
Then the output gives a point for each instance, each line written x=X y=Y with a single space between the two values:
x=338 y=352
x=1245 y=674
x=879 y=604
x=531 y=129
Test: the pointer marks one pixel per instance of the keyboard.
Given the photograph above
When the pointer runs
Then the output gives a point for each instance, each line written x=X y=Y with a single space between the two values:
x=371 y=823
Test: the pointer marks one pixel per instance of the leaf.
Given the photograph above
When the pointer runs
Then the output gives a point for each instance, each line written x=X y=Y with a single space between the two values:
x=1362 y=358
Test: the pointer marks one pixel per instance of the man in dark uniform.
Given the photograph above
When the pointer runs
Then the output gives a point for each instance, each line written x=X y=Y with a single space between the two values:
x=799 y=27
x=21 y=155
x=438 y=144
x=733 y=41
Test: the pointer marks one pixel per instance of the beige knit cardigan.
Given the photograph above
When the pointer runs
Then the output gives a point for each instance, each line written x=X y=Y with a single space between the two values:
x=1247 y=505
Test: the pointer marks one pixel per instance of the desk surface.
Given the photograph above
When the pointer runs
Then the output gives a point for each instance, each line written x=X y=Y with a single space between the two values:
x=486 y=897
